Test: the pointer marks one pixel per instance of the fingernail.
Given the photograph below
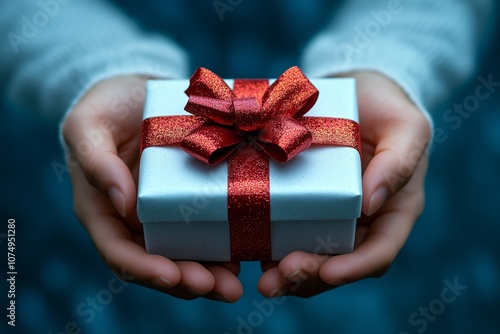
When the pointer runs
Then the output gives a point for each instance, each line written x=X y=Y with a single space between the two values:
x=161 y=282
x=118 y=200
x=293 y=274
x=293 y=278
x=377 y=200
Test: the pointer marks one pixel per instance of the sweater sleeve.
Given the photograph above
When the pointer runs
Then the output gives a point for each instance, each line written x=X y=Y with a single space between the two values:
x=428 y=47
x=57 y=49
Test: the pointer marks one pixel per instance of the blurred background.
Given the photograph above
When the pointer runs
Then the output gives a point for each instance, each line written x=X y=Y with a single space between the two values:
x=455 y=242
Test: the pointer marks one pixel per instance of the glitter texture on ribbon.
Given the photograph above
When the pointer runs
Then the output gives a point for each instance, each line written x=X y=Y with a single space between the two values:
x=248 y=204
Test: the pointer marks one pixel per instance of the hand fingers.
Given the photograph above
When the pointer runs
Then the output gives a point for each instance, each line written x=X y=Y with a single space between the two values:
x=296 y=274
x=233 y=267
x=114 y=241
x=211 y=280
x=384 y=239
x=394 y=163
x=227 y=286
x=266 y=265
x=123 y=255
x=102 y=134
x=394 y=137
x=94 y=147
x=305 y=274
x=273 y=284
x=181 y=279
x=301 y=269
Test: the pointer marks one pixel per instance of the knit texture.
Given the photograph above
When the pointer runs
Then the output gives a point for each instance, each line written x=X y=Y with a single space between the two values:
x=48 y=64
x=427 y=47
x=57 y=49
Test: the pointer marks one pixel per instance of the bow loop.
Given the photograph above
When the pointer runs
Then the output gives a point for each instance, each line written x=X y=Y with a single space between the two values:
x=212 y=144
x=219 y=111
x=206 y=83
x=291 y=94
x=276 y=139
x=254 y=110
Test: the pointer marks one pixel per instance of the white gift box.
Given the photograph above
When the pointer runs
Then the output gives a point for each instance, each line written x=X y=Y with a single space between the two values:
x=315 y=198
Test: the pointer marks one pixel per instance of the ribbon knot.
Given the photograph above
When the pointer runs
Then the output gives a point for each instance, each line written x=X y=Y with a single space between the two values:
x=264 y=114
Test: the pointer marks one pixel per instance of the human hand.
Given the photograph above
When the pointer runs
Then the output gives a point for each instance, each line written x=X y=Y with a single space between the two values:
x=102 y=133
x=394 y=137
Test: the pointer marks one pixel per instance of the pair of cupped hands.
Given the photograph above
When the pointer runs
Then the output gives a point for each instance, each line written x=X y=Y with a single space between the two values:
x=104 y=174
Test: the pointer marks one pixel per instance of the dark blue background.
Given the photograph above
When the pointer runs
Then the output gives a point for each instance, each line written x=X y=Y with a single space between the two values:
x=456 y=238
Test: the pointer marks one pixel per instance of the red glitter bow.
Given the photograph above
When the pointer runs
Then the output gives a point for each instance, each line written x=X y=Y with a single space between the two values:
x=271 y=117
x=264 y=114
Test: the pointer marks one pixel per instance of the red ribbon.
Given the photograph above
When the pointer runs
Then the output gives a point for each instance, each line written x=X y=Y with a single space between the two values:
x=269 y=117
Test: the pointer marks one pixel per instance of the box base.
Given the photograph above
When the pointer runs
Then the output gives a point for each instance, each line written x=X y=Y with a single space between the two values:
x=209 y=241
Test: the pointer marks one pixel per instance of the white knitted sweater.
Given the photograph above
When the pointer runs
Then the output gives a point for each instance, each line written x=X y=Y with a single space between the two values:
x=54 y=50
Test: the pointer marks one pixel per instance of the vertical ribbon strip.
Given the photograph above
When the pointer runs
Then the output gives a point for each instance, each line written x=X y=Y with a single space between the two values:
x=248 y=197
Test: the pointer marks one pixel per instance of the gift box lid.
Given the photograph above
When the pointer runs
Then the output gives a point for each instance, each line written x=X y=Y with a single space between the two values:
x=321 y=183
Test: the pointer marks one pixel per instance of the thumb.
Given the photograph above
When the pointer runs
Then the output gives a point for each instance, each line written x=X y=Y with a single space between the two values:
x=397 y=155
x=91 y=142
